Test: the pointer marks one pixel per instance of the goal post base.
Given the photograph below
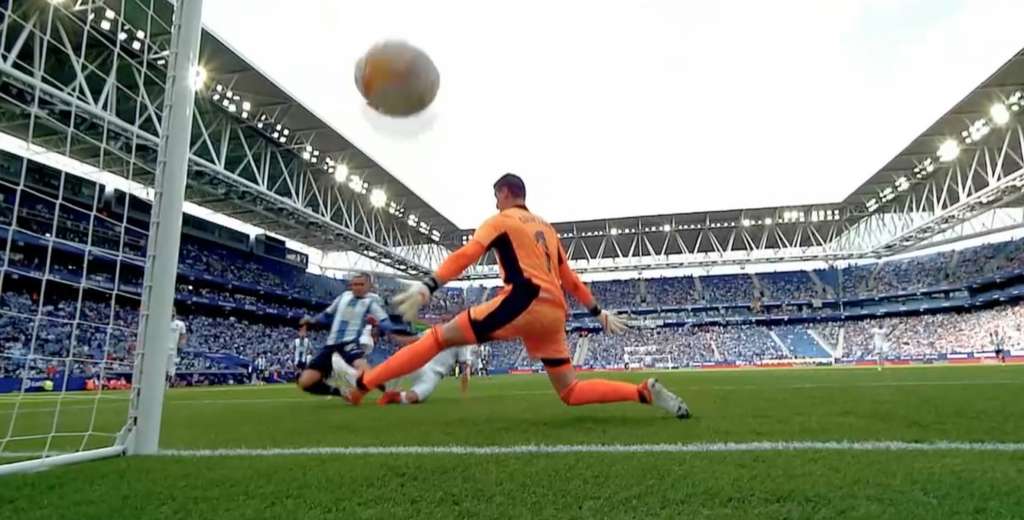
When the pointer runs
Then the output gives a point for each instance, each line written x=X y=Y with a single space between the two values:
x=45 y=463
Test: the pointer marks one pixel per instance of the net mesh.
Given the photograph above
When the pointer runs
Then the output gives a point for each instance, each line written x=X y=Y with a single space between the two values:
x=72 y=247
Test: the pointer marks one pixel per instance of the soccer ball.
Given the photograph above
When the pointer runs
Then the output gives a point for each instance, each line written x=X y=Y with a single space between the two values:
x=397 y=79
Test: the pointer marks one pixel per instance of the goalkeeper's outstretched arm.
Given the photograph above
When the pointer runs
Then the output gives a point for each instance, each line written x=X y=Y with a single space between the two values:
x=579 y=290
x=409 y=302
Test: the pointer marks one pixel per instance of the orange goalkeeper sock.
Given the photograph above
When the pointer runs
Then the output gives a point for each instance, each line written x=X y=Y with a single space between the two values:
x=590 y=391
x=403 y=362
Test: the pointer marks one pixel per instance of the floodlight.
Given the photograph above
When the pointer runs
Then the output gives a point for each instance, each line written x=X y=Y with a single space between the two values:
x=949 y=150
x=198 y=77
x=1000 y=115
x=378 y=198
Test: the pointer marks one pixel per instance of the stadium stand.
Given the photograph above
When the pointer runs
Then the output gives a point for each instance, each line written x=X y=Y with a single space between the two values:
x=240 y=306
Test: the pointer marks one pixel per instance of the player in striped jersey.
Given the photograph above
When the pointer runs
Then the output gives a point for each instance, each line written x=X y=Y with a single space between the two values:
x=348 y=317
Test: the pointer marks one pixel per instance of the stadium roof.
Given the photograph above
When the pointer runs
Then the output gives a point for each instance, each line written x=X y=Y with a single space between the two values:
x=763 y=229
x=997 y=88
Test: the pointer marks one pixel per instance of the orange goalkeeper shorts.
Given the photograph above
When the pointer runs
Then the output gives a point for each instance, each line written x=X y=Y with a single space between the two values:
x=518 y=312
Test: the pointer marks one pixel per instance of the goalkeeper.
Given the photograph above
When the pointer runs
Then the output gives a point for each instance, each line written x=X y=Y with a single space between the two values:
x=531 y=306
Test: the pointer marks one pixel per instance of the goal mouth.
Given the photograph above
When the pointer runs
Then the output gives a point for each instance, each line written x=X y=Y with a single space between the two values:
x=88 y=267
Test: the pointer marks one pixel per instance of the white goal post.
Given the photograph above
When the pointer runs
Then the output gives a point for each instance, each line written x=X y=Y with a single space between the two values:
x=53 y=420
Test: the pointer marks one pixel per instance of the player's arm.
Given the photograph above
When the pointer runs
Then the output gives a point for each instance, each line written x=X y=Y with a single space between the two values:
x=579 y=290
x=409 y=302
x=380 y=318
x=324 y=318
x=572 y=283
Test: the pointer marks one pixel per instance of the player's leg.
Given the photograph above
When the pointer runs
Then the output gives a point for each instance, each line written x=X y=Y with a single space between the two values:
x=464 y=356
x=172 y=369
x=455 y=333
x=576 y=392
x=548 y=343
x=424 y=381
x=319 y=368
x=360 y=364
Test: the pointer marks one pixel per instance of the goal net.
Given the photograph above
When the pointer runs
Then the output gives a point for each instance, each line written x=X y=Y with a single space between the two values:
x=77 y=255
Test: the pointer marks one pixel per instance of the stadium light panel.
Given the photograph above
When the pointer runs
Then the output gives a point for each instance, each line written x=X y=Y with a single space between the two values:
x=412 y=220
x=977 y=131
x=109 y=14
x=614 y=231
x=122 y=36
x=378 y=198
x=278 y=127
x=245 y=115
x=136 y=45
x=305 y=155
x=286 y=131
x=1000 y=114
x=309 y=148
x=355 y=183
x=768 y=221
x=56 y=2
x=949 y=150
x=105 y=25
x=746 y=222
x=246 y=105
x=666 y=228
x=342 y=171
x=282 y=140
x=140 y=34
x=925 y=167
x=1015 y=101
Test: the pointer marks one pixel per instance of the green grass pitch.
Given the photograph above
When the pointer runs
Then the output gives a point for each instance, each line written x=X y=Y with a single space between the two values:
x=980 y=404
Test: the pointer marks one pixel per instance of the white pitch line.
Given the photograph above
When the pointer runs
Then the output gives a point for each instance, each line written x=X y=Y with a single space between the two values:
x=530 y=449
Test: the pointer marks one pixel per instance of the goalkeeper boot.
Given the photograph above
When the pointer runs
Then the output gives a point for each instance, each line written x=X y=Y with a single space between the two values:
x=390 y=397
x=658 y=395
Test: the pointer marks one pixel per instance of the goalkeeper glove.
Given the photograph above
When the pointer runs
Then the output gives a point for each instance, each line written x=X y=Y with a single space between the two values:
x=612 y=323
x=408 y=303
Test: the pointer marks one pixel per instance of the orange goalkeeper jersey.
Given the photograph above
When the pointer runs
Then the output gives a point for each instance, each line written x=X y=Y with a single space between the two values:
x=528 y=250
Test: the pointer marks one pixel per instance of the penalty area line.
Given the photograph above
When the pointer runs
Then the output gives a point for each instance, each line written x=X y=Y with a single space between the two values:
x=528 y=449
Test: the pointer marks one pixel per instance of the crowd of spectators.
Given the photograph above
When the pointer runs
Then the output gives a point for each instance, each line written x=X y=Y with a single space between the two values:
x=79 y=332
x=934 y=334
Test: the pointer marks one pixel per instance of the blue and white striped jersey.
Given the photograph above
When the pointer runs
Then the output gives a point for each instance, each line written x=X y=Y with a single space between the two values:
x=348 y=315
